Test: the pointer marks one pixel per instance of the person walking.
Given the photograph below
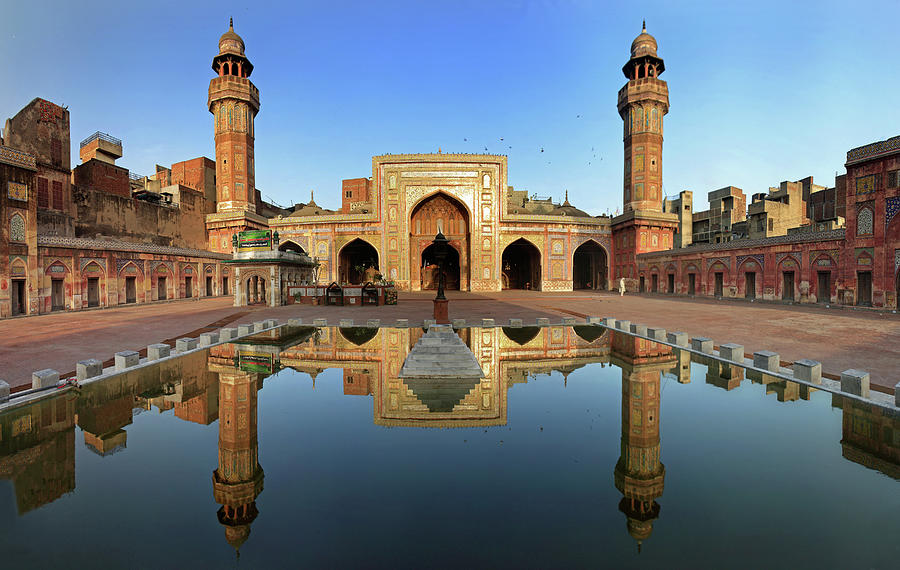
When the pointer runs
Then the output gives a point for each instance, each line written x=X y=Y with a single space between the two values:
x=622 y=287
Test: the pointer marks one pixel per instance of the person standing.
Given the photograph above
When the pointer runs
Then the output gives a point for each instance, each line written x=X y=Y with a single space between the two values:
x=622 y=287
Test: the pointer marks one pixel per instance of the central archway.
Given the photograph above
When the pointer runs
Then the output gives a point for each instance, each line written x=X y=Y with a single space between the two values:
x=521 y=265
x=429 y=269
x=444 y=213
x=357 y=262
x=589 y=265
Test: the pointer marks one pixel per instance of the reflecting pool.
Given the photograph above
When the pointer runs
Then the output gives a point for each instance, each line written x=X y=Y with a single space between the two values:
x=580 y=447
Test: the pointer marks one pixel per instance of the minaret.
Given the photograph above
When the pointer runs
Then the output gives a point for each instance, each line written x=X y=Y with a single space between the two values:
x=642 y=103
x=239 y=478
x=639 y=473
x=234 y=102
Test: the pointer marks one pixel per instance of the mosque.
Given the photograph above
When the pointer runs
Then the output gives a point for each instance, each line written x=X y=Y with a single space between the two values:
x=98 y=235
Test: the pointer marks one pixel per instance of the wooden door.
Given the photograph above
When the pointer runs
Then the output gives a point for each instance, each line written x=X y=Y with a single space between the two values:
x=864 y=288
x=750 y=285
x=719 y=284
x=57 y=295
x=130 y=290
x=93 y=291
x=823 y=291
x=787 y=290
x=161 y=288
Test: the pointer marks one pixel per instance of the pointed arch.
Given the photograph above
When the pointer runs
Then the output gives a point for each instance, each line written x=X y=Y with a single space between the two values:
x=291 y=245
x=590 y=266
x=520 y=265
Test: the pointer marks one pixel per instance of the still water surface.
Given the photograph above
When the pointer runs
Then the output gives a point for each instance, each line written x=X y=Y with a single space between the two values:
x=580 y=448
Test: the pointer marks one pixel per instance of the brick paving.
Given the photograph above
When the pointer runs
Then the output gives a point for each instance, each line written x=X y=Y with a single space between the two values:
x=840 y=339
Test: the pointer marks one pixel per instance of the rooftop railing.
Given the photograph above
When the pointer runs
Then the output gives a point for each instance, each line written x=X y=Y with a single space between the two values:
x=102 y=136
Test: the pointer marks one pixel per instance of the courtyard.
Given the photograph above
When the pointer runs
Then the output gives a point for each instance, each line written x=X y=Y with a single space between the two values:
x=839 y=338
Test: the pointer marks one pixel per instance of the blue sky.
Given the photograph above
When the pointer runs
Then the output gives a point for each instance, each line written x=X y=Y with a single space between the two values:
x=759 y=92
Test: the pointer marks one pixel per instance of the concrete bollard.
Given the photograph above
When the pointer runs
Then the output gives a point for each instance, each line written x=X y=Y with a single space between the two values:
x=677 y=338
x=594 y=320
x=185 y=344
x=543 y=322
x=656 y=334
x=4 y=391
x=345 y=323
x=609 y=322
x=270 y=323
x=244 y=329
x=733 y=352
x=258 y=326
x=767 y=360
x=623 y=325
x=209 y=338
x=855 y=382
x=127 y=359
x=227 y=333
x=515 y=323
x=157 y=351
x=459 y=323
x=295 y=322
x=45 y=378
x=88 y=369
x=320 y=322
x=486 y=323
x=569 y=320
x=703 y=344
x=640 y=330
x=897 y=394
x=808 y=370
x=402 y=323
x=373 y=323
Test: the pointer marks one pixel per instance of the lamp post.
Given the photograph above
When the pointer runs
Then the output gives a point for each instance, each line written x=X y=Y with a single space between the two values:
x=441 y=309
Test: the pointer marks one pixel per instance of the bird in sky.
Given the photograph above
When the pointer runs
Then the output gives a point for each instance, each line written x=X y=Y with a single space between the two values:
x=542 y=149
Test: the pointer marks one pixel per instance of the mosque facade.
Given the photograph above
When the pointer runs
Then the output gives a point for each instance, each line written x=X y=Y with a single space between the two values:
x=97 y=235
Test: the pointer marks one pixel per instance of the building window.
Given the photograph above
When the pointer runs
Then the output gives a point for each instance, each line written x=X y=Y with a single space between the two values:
x=771 y=224
x=864 y=222
x=349 y=194
x=57 y=195
x=17 y=228
x=43 y=193
x=55 y=151
x=893 y=180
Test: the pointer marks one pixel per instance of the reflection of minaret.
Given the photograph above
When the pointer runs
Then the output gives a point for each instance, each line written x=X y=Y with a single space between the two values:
x=239 y=479
x=639 y=473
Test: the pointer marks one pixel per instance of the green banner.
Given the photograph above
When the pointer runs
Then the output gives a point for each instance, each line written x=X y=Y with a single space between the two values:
x=255 y=240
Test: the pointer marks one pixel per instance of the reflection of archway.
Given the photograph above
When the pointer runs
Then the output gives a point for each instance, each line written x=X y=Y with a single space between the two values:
x=521 y=335
x=429 y=269
x=357 y=262
x=589 y=333
x=521 y=265
x=289 y=245
x=439 y=212
x=589 y=265
x=358 y=335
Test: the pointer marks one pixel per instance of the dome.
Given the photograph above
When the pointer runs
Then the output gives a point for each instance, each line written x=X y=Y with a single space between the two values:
x=644 y=44
x=230 y=42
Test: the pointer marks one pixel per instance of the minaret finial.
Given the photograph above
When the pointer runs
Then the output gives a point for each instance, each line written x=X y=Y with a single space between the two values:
x=231 y=23
x=644 y=26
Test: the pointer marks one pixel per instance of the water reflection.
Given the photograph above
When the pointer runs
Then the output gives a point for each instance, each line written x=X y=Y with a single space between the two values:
x=37 y=442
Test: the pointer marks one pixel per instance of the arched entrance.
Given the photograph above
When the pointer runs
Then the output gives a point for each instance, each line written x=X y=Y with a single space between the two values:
x=255 y=290
x=521 y=265
x=439 y=212
x=429 y=269
x=357 y=262
x=289 y=245
x=589 y=266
